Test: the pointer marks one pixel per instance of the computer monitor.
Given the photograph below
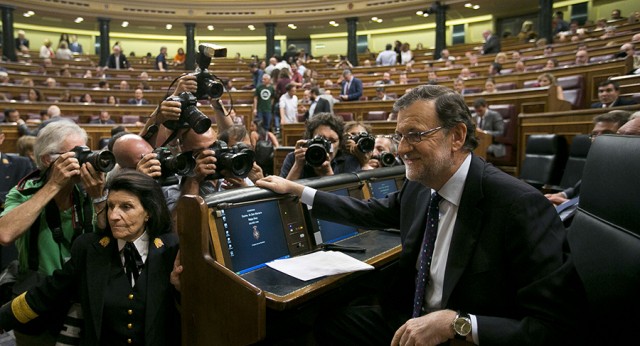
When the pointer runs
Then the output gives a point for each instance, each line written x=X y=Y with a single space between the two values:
x=251 y=234
x=327 y=232
x=380 y=188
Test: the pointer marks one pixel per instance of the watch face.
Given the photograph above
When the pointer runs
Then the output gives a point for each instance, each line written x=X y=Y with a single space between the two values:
x=462 y=326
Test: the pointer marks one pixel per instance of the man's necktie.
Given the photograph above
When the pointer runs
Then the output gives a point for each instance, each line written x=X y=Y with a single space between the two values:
x=428 y=243
x=132 y=262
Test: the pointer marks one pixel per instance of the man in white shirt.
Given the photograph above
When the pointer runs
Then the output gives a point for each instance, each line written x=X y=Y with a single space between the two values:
x=289 y=105
x=496 y=271
x=388 y=57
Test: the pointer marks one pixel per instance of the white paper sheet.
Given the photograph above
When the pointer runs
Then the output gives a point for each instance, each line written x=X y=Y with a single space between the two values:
x=318 y=264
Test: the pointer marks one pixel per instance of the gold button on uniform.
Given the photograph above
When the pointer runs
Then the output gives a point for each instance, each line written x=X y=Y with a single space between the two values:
x=130 y=296
x=130 y=325
x=129 y=341
x=130 y=312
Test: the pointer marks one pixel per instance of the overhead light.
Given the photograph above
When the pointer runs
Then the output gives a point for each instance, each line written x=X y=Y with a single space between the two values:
x=419 y=13
x=292 y=26
x=251 y=27
x=169 y=26
x=475 y=7
x=379 y=20
x=28 y=14
x=210 y=27
x=79 y=20
x=333 y=22
x=125 y=24
x=375 y=19
x=468 y=5
x=425 y=14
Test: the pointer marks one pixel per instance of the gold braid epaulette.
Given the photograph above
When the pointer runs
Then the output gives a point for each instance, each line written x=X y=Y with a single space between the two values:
x=21 y=309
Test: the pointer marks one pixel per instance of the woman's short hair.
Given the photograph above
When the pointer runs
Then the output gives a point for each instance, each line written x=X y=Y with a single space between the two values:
x=52 y=136
x=550 y=77
x=150 y=195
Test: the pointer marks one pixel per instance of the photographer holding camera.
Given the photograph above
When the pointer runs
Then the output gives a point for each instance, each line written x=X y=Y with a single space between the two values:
x=49 y=208
x=322 y=151
x=384 y=153
x=359 y=142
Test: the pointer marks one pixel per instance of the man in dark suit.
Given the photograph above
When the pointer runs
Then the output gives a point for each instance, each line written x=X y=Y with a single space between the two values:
x=490 y=122
x=103 y=118
x=491 y=43
x=117 y=60
x=351 y=89
x=21 y=40
x=318 y=104
x=609 y=96
x=12 y=169
x=496 y=272
x=138 y=98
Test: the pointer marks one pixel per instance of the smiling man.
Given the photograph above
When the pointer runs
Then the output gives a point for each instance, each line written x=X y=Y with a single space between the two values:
x=482 y=252
x=609 y=96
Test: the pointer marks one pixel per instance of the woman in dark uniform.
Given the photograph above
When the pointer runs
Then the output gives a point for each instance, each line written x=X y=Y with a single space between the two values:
x=120 y=275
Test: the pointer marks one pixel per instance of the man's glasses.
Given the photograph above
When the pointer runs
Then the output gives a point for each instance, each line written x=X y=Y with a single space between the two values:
x=414 y=137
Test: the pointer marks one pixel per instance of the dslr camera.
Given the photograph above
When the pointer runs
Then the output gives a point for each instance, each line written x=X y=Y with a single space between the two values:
x=386 y=159
x=238 y=159
x=208 y=84
x=102 y=161
x=364 y=141
x=172 y=165
x=190 y=115
x=317 y=149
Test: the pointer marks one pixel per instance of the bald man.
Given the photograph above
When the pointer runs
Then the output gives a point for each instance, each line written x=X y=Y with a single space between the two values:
x=133 y=152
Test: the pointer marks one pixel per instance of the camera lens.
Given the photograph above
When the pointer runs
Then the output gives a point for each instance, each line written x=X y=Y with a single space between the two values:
x=181 y=164
x=366 y=143
x=316 y=155
x=197 y=121
x=241 y=164
x=387 y=159
x=214 y=89
x=102 y=161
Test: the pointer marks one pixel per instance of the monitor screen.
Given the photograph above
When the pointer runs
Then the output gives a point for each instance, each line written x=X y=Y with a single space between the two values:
x=254 y=235
x=330 y=232
x=381 y=188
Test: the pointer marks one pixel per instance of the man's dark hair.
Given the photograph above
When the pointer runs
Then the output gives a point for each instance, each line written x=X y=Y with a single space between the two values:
x=615 y=84
x=150 y=195
x=335 y=123
x=618 y=117
x=117 y=130
x=479 y=102
x=450 y=109
x=8 y=111
x=389 y=46
x=559 y=14
x=252 y=65
x=315 y=91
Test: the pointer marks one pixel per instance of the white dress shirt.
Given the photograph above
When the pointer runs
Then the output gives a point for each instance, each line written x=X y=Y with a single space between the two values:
x=141 y=244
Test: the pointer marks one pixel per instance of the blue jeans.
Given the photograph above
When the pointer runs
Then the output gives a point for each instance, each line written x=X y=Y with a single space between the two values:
x=266 y=119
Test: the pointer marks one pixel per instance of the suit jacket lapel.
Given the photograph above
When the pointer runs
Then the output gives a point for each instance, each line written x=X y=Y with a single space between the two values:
x=466 y=229
x=413 y=241
x=98 y=271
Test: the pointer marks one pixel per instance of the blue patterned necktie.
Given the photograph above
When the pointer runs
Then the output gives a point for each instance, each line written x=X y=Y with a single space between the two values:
x=428 y=243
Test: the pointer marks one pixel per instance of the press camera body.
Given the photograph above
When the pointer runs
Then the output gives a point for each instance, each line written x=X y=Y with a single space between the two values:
x=190 y=115
x=102 y=160
x=364 y=142
x=209 y=86
x=317 y=149
x=172 y=165
x=386 y=159
x=237 y=160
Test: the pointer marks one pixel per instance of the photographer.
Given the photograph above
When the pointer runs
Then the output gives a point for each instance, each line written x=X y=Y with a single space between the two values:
x=384 y=146
x=49 y=208
x=322 y=127
x=363 y=150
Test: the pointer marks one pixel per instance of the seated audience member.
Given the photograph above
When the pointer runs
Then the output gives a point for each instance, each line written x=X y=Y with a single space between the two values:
x=458 y=86
x=351 y=130
x=384 y=145
x=386 y=80
x=124 y=85
x=489 y=122
x=501 y=58
x=24 y=147
x=86 y=98
x=472 y=216
x=519 y=67
x=50 y=82
x=64 y=52
x=465 y=73
x=445 y=55
x=551 y=64
x=105 y=267
x=603 y=124
x=112 y=100
x=330 y=128
x=318 y=104
x=381 y=95
x=402 y=78
x=582 y=57
x=548 y=79
x=179 y=58
x=12 y=169
x=138 y=98
x=494 y=69
x=103 y=118
x=489 y=87
x=609 y=96
x=11 y=116
x=351 y=89
x=628 y=49
x=34 y=95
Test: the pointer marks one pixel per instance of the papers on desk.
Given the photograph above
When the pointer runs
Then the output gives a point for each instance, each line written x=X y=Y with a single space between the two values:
x=318 y=264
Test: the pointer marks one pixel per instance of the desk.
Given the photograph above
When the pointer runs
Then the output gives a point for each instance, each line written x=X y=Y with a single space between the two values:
x=222 y=308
